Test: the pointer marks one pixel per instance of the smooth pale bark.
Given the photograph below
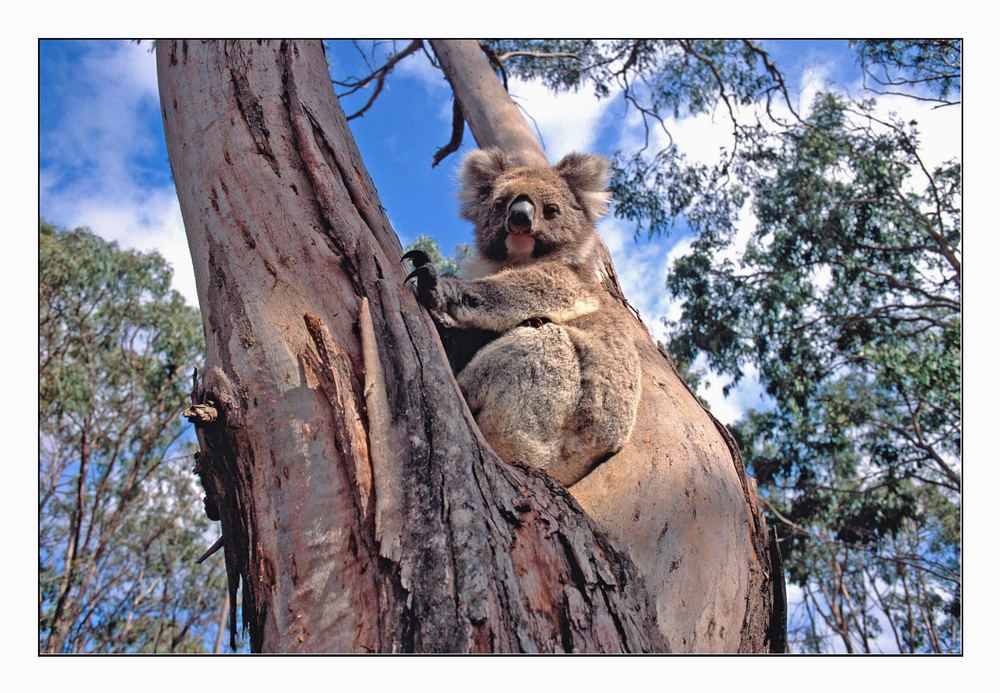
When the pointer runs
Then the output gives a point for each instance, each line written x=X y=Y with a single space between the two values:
x=492 y=116
x=360 y=507
x=677 y=497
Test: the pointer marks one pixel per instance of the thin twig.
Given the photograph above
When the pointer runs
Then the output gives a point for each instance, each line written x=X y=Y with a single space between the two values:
x=378 y=75
x=504 y=57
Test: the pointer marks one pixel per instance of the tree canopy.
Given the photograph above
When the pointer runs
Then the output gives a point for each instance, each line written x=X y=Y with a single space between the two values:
x=846 y=300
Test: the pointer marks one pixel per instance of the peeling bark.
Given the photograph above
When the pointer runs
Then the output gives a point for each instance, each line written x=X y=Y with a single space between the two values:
x=361 y=509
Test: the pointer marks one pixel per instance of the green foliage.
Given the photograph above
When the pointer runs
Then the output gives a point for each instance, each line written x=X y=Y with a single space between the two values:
x=120 y=515
x=934 y=65
x=445 y=266
x=659 y=80
x=847 y=301
x=680 y=77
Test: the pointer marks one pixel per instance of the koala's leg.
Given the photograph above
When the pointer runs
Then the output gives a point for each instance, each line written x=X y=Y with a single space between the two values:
x=609 y=397
x=522 y=389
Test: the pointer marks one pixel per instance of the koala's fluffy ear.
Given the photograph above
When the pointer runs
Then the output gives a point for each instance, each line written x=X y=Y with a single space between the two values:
x=587 y=176
x=480 y=169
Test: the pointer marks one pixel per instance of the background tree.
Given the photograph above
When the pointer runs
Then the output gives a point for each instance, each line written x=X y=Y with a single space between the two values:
x=120 y=518
x=445 y=265
x=847 y=301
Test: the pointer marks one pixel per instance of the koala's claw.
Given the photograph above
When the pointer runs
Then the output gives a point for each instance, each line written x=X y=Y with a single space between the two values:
x=418 y=257
x=425 y=275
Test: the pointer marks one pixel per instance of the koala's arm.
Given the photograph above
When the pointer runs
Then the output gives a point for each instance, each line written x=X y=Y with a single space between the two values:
x=502 y=301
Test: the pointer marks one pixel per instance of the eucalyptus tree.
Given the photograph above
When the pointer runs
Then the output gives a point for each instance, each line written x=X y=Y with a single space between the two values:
x=846 y=302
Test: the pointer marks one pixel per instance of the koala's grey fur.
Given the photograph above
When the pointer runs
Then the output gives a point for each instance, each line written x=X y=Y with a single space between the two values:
x=559 y=386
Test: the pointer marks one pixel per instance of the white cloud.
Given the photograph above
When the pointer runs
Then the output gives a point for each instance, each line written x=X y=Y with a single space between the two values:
x=700 y=138
x=94 y=179
x=149 y=221
x=939 y=129
x=745 y=395
x=419 y=67
x=101 y=128
x=642 y=271
x=814 y=79
x=680 y=249
x=568 y=121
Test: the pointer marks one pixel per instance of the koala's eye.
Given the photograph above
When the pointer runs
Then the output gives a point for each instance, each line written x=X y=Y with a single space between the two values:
x=550 y=211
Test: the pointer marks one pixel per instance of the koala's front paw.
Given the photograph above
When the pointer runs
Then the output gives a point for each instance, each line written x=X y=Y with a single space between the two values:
x=426 y=276
x=429 y=290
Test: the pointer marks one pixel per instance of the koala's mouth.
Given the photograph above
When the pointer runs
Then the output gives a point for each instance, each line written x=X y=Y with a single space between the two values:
x=520 y=245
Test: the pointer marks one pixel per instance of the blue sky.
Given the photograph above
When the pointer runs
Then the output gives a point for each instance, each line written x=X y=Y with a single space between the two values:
x=103 y=161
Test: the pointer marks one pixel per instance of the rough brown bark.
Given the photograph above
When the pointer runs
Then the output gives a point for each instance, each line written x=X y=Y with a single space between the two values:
x=361 y=509
x=677 y=498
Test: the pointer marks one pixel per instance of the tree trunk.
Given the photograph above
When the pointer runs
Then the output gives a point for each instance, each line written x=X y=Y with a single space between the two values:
x=677 y=498
x=361 y=509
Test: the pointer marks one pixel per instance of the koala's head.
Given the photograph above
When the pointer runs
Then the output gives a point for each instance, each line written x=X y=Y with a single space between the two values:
x=525 y=212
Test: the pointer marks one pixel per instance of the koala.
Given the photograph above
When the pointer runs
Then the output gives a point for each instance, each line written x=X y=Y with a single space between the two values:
x=556 y=385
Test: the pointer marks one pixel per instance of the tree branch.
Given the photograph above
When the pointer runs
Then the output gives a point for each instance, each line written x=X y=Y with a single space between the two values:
x=504 y=57
x=457 y=132
x=378 y=75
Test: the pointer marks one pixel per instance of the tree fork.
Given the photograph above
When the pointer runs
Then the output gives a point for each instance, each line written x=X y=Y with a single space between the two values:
x=361 y=509
x=677 y=497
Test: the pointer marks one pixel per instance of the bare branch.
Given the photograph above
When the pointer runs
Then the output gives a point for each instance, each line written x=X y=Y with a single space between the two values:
x=776 y=75
x=457 y=131
x=219 y=543
x=378 y=76
x=504 y=57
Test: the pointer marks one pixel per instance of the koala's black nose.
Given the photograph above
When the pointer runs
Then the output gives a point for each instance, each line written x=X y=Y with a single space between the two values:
x=520 y=216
